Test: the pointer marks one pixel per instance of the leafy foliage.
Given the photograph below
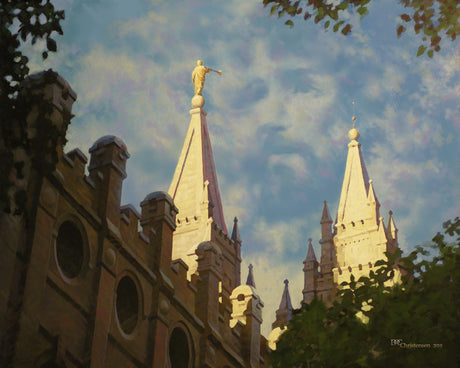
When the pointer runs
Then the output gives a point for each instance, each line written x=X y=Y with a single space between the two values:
x=20 y=21
x=433 y=19
x=415 y=323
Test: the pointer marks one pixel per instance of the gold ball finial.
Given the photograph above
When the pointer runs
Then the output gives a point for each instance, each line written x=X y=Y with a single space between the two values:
x=197 y=101
x=353 y=134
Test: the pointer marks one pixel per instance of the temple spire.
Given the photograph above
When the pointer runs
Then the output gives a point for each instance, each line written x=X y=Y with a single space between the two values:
x=237 y=244
x=284 y=312
x=194 y=168
x=250 y=280
x=354 y=197
x=373 y=202
x=235 y=232
x=311 y=253
x=286 y=298
x=194 y=188
x=326 y=224
x=392 y=231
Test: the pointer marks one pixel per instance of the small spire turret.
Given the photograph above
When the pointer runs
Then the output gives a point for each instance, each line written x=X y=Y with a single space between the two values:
x=284 y=312
x=235 y=232
x=237 y=244
x=250 y=280
x=311 y=257
x=392 y=231
x=382 y=233
x=373 y=202
x=326 y=224
x=311 y=274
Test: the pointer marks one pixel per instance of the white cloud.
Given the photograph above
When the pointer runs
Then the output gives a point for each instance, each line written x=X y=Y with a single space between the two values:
x=293 y=161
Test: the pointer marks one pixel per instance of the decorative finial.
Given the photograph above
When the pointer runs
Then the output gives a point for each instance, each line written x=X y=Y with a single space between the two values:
x=198 y=78
x=353 y=118
x=286 y=282
x=353 y=133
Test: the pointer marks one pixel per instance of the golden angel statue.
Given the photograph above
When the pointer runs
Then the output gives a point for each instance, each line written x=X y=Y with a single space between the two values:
x=199 y=75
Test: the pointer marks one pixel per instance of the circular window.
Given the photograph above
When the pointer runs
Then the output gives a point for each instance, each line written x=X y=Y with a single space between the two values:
x=179 y=353
x=69 y=249
x=127 y=304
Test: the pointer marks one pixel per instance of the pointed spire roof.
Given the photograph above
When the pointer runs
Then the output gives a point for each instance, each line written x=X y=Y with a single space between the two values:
x=392 y=231
x=371 y=196
x=373 y=201
x=382 y=233
x=284 y=312
x=325 y=218
x=235 y=232
x=194 y=168
x=311 y=253
x=286 y=298
x=353 y=199
x=326 y=225
x=250 y=280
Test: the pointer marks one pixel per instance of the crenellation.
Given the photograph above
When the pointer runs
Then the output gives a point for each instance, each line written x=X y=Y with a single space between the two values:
x=180 y=268
x=183 y=289
x=78 y=158
x=129 y=225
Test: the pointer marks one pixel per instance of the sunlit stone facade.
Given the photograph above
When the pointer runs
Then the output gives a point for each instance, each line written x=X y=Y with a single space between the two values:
x=351 y=245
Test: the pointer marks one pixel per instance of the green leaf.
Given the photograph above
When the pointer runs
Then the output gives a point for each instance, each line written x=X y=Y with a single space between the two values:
x=430 y=53
x=343 y=6
x=289 y=23
x=326 y=25
x=421 y=50
x=362 y=10
x=337 y=25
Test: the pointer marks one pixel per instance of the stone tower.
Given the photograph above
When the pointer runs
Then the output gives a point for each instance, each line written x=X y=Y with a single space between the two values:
x=247 y=315
x=195 y=191
x=357 y=240
x=359 y=237
x=310 y=270
x=283 y=316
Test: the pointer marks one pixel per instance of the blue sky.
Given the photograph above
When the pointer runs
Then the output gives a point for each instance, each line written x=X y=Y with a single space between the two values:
x=278 y=116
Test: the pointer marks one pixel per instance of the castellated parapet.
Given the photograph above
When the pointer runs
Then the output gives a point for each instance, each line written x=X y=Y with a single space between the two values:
x=95 y=283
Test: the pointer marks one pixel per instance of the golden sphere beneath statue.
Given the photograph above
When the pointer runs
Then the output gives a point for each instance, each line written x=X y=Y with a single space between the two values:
x=197 y=101
x=353 y=134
